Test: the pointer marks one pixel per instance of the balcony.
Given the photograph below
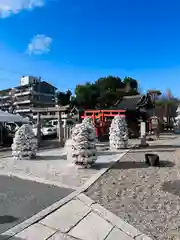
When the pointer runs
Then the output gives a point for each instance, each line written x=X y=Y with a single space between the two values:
x=4 y=104
x=4 y=97
x=43 y=94
x=44 y=103
x=24 y=110
x=22 y=102
x=23 y=93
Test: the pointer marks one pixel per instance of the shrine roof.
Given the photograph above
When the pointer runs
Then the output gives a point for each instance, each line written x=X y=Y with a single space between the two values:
x=129 y=102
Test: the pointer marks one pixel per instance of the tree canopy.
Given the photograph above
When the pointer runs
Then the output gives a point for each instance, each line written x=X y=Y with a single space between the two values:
x=168 y=104
x=63 y=98
x=105 y=92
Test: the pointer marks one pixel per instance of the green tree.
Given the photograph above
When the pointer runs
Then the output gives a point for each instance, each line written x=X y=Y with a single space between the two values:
x=131 y=86
x=105 y=92
x=63 y=98
x=106 y=99
x=109 y=83
x=110 y=90
x=86 y=95
x=169 y=106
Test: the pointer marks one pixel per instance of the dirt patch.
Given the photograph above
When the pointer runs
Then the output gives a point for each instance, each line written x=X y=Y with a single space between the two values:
x=146 y=197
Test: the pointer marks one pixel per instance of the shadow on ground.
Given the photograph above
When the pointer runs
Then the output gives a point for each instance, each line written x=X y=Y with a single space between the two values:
x=104 y=153
x=163 y=146
x=170 y=138
x=130 y=165
x=5 y=237
x=7 y=219
x=98 y=166
x=49 y=157
x=172 y=187
x=151 y=150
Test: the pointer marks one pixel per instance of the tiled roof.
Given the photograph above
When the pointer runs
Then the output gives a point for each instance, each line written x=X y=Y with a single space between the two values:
x=129 y=102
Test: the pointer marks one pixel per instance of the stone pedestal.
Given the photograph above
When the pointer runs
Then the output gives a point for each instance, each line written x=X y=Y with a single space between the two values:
x=143 y=134
x=68 y=149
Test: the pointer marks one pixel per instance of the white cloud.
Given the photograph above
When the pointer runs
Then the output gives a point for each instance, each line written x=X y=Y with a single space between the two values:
x=39 y=44
x=9 y=7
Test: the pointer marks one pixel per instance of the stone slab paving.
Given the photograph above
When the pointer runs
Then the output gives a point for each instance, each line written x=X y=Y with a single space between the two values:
x=116 y=221
x=103 y=163
x=81 y=219
x=61 y=236
x=118 y=234
x=35 y=232
x=91 y=227
x=85 y=214
x=52 y=167
x=67 y=216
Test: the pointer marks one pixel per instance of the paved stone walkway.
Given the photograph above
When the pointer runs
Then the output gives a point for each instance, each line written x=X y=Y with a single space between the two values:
x=81 y=219
x=52 y=167
x=78 y=218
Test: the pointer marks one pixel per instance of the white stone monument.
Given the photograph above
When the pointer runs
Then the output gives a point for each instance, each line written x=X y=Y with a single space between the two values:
x=84 y=151
x=89 y=121
x=177 y=121
x=24 y=143
x=118 y=133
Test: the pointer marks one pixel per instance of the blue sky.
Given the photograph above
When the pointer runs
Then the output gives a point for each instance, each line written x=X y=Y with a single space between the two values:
x=68 y=42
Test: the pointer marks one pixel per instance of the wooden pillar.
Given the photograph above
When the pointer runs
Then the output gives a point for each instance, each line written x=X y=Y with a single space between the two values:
x=38 y=128
x=60 y=130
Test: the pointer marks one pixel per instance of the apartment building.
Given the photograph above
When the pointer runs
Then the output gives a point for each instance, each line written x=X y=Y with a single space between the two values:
x=31 y=93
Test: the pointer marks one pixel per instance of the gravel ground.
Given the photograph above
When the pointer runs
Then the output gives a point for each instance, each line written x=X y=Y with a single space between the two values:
x=146 y=197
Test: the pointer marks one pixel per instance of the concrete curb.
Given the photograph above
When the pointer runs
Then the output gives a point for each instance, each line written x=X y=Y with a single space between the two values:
x=42 y=214
x=113 y=219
